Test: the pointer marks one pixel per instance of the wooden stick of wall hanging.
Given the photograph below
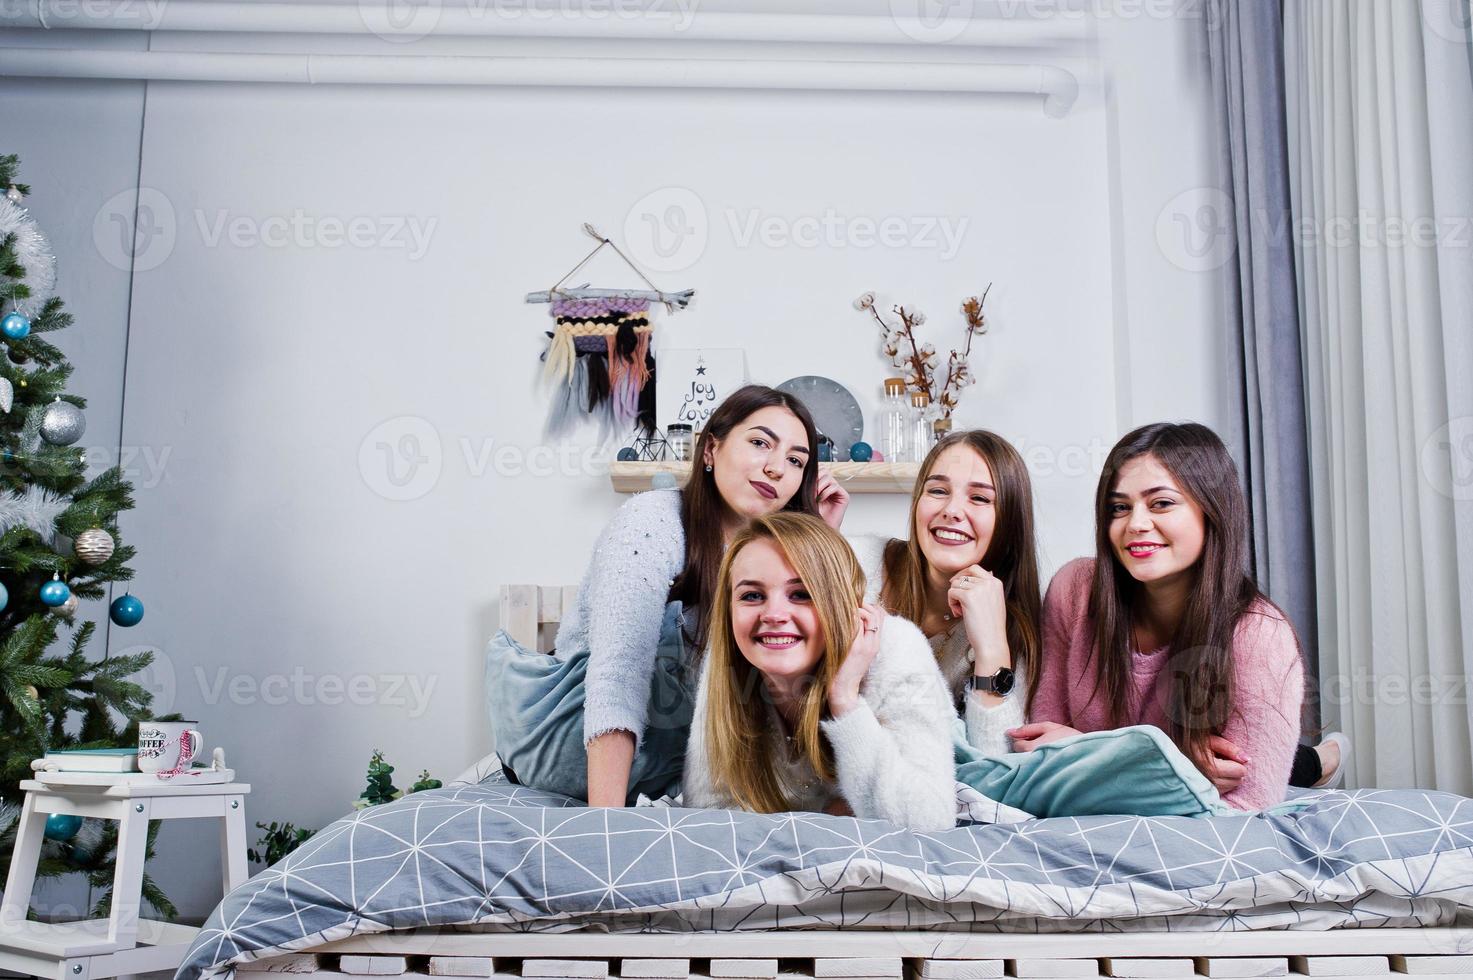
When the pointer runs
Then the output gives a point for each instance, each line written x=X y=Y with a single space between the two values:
x=598 y=360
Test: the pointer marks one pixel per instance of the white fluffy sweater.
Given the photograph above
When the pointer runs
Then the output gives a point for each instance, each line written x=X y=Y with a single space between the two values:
x=987 y=726
x=892 y=752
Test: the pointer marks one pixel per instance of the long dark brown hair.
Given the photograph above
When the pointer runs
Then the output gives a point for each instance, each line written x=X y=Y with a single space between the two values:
x=1197 y=682
x=1012 y=554
x=703 y=512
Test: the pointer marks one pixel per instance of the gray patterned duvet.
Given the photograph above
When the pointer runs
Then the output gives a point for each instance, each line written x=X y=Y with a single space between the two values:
x=495 y=856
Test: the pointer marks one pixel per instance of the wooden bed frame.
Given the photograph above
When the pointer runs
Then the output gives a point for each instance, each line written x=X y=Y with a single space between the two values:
x=527 y=612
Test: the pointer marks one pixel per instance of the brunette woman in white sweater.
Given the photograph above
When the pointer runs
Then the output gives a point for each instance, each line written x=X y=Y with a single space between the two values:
x=967 y=574
x=810 y=700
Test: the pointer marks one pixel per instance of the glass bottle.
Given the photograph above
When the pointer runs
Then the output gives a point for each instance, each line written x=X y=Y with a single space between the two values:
x=679 y=436
x=923 y=436
x=895 y=422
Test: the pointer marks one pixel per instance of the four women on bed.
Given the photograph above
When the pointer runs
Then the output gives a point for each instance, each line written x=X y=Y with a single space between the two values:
x=810 y=698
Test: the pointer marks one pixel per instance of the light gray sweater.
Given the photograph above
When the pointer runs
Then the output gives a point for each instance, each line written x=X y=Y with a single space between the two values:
x=620 y=608
x=987 y=727
x=892 y=751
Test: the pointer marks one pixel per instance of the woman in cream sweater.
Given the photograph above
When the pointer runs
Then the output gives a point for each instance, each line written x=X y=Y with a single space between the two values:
x=810 y=700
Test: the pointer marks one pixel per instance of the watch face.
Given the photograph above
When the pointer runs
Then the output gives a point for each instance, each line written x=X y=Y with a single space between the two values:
x=1002 y=681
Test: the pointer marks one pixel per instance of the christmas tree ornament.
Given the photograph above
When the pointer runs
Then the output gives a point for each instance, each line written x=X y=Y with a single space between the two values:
x=627 y=455
x=599 y=363
x=15 y=325
x=7 y=395
x=18 y=357
x=63 y=423
x=67 y=609
x=33 y=692
x=13 y=195
x=4 y=596
x=55 y=592
x=126 y=610
x=33 y=258
x=664 y=480
x=62 y=826
x=94 y=546
x=861 y=452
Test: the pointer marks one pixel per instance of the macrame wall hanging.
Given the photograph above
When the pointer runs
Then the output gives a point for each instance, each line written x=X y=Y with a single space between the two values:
x=599 y=361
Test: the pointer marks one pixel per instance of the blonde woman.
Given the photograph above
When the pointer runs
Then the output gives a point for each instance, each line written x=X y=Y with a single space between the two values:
x=810 y=700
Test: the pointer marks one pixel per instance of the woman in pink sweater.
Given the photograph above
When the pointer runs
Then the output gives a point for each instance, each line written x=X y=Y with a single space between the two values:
x=1185 y=640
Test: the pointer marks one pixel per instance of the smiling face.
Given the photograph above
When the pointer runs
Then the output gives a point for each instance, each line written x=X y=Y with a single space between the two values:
x=956 y=512
x=758 y=467
x=773 y=619
x=1157 y=530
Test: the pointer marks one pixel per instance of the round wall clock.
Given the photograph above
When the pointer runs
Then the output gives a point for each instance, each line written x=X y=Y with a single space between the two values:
x=834 y=410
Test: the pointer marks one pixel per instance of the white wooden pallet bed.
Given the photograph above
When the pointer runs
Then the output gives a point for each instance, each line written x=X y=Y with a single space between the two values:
x=531 y=613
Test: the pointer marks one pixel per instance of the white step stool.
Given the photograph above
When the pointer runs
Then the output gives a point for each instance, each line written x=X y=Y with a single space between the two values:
x=124 y=943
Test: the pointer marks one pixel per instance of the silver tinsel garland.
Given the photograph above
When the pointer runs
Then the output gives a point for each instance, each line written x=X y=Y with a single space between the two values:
x=33 y=252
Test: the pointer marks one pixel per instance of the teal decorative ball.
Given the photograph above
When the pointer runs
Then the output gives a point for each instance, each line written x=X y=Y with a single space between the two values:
x=55 y=592
x=63 y=826
x=861 y=452
x=126 y=610
x=15 y=325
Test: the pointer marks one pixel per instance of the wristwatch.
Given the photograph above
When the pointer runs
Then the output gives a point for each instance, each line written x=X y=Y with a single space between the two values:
x=1000 y=683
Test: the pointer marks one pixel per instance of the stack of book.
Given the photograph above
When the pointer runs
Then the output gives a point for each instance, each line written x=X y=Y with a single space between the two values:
x=90 y=760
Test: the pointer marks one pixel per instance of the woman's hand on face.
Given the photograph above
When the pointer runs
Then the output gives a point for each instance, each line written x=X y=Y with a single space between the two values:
x=978 y=597
x=832 y=500
x=1028 y=737
x=1228 y=765
x=844 y=688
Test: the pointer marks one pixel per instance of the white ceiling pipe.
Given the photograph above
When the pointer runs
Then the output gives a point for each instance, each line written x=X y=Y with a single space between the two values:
x=1059 y=88
x=500 y=18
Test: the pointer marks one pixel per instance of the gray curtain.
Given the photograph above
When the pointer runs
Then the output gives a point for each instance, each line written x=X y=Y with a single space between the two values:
x=1244 y=41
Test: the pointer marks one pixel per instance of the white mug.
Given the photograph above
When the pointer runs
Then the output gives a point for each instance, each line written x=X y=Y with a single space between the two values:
x=166 y=746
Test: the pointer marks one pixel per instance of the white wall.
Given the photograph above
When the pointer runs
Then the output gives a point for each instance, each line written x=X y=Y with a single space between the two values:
x=266 y=376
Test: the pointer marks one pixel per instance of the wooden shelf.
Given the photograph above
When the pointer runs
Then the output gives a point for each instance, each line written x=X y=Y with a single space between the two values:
x=856 y=477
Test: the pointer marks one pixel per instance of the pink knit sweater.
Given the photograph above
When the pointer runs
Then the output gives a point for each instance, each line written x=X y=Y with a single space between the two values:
x=1268 y=682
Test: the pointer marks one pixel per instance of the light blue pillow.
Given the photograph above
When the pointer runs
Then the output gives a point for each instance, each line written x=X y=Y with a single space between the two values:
x=1137 y=771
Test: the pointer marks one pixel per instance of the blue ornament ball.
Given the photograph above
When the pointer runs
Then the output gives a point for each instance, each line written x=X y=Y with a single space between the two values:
x=627 y=455
x=861 y=452
x=63 y=826
x=664 y=480
x=15 y=325
x=4 y=596
x=126 y=610
x=55 y=592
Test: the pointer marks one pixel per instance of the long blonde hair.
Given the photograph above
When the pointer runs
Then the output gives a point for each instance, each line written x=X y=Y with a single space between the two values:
x=1011 y=555
x=738 y=732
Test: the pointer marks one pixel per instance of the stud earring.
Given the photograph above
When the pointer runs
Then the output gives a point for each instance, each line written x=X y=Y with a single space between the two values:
x=708 y=467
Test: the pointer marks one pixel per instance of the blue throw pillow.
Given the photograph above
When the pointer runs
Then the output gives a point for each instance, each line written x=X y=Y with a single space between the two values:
x=1137 y=771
